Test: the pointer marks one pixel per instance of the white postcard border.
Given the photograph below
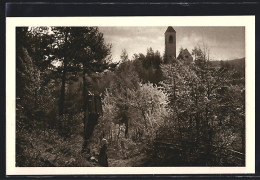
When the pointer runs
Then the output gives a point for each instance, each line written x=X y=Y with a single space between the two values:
x=13 y=22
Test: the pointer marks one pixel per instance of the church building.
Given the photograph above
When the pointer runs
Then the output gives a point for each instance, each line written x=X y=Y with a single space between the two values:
x=170 y=48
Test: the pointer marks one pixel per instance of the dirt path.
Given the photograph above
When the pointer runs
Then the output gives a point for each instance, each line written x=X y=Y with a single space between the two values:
x=136 y=161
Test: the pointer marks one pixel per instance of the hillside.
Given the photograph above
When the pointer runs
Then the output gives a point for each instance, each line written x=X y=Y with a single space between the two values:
x=238 y=64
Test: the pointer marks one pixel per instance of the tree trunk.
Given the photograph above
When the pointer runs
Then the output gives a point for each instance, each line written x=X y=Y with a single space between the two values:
x=35 y=99
x=243 y=134
x=84 y=95
x=84 y=108
x=63 y=83
x=174 y=89
x=126 y=129
x=179 y=126
x=145 y=123
x=243 y=141
x=197 y=125
x=118 y=134
x=62 y=94
x=190 y=121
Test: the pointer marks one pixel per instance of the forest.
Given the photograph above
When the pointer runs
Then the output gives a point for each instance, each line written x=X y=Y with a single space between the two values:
x=151 y=113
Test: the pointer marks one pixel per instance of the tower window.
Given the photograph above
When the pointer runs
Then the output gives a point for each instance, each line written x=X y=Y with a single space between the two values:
x=170 y=39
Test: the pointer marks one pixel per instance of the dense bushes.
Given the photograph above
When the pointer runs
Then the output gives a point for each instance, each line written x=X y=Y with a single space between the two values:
x=47 y=148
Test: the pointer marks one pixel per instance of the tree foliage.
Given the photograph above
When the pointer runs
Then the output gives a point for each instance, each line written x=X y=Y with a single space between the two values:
x=203 y=109
x=148 y=66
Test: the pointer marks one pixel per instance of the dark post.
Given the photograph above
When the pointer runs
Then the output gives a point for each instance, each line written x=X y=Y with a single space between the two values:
x=92 y=111
x=102 y=158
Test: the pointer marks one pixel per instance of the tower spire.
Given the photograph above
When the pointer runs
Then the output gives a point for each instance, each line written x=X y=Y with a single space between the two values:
x=170 y=44
x=170 y=29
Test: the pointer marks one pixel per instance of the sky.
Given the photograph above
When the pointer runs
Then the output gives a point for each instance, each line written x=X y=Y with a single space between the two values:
x=224 y=42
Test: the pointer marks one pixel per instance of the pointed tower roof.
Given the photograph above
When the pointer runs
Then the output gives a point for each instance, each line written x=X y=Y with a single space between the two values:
x=170 y=29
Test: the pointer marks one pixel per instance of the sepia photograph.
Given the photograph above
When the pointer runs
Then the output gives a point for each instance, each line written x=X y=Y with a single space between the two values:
x=130 y=96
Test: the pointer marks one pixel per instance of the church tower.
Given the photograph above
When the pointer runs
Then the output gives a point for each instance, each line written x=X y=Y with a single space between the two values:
x=170 y=44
